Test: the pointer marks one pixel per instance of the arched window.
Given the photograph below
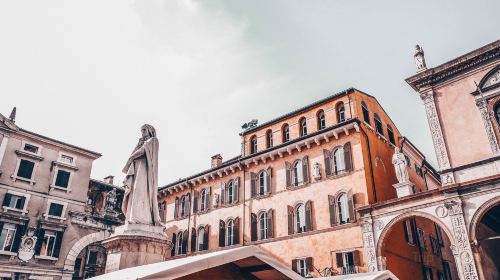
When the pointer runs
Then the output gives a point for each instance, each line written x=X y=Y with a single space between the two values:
x=285 y=131
x=342 y=161
x=321 y=119
x=230 y=233
x=269 y=138
x=262 y=183
x=343 y=212
x=298 y=173
x=300 y=218
x=201 y=239
x=263 y=226
x=230 y=192
x=390 y=134
x=497 y=113
x=183 y=206
x=366 y=113
x=180 y=238
x=203 y=199
x=303 y=126
x=341 y=112
x=378 y=124
x=253 y=144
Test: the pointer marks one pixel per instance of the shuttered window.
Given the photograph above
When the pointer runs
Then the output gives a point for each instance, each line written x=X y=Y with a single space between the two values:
x=253 y=144
x=340 y=112
x=269 y=139
x=25 y=169
x=62 y=179
x=341 y=208
x=378 y=124
x=285 y=131
x=342 y=159
x=321 y=120
x=366 y=113
x=303 y=126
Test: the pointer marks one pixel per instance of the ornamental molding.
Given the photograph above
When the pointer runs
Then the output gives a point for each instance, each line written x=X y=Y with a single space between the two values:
x=487 y=116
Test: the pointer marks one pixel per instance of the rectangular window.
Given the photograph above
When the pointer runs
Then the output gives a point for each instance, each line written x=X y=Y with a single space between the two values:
x=30 y=148
x=7 y=237
x=421 y=239
x=48 y=244
x=408 y=230
x=14 y=201
x=436 y=249
x=92 y=259
x=56 y=210
x=447 y=270
x=428 y=273
x=439 y=234
x=302 y=267
x=66 y=159
x=25 y=169
x=391 y=137
x=62 y=179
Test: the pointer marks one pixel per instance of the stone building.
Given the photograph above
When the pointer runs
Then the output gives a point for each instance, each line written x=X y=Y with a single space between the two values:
x=461 y=99
x=48 y=217
x=295 y=189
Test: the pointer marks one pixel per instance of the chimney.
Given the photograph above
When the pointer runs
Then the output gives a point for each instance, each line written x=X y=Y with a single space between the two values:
x=109 y=179
x=216 y=160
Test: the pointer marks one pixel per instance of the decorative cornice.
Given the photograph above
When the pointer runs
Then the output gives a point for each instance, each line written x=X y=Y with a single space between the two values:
x=455 y=67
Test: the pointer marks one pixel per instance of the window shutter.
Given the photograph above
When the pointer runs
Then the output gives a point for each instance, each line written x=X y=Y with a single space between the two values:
x=253 y=180
x=184 y=242
x=270 y=225
x=294 y=265
x=222 y=233
x=348 y=157
x=288 y=174
x=188 y=204
x=253 y=234
x=6 y=199
x=209 y=198
x=331 y=205
x=305 y=169
x=309 y=215
x=223 y=194
x=350 y=204
x=195 y=201
x=176 y=209
x=58 y=243
x=356 y=258
x=290 y=219
x=236 y=183
x=236 y=234
x=39 y=240
x=268 y=180
x=20 y=229
x=193 y=240
x=340 y=259
x=405 y=228
x=328 y=162
x=309 y=264
x=205 y=237
x=174 y=240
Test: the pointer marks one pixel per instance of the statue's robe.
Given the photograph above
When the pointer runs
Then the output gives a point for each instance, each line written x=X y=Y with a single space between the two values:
x=140 y=202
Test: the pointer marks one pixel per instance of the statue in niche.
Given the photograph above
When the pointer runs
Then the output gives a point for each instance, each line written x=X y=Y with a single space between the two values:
x=111 y=200
x=140 y=202
x=317 y=171
x=400 y=165
x=419 y=58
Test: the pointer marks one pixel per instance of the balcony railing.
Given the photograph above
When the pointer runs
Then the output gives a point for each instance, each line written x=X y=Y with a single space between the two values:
x=349 y=270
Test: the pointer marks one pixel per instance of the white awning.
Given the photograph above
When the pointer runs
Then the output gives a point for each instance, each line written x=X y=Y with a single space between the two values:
x=376 y=275
x=248 y=258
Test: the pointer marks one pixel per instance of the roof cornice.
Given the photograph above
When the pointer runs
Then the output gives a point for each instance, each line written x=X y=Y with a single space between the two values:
x=455 y=67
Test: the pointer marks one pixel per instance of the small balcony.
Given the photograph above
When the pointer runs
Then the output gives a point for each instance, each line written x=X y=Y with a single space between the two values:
x=351 y=269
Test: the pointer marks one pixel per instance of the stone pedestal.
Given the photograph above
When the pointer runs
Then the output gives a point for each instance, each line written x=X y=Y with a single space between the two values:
x=404 y=189
x=134 y=245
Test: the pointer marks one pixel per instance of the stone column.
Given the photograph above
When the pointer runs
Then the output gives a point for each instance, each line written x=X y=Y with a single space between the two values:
x=369 y=244
x=461 y=249
x=483 y=109
x=437 y=136
x=134 y=245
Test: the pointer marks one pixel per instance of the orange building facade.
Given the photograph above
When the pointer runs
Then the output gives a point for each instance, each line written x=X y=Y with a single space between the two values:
x=296 y=188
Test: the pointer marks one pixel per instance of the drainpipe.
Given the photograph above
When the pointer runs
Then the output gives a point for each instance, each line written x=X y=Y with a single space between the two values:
x=189 y=215
x=370 y=164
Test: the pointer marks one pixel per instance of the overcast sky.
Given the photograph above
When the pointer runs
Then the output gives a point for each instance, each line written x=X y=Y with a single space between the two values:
x=92 y=72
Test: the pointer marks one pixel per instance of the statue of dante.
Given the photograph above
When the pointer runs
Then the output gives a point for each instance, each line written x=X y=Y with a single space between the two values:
x=140 y=202
x=400 y=163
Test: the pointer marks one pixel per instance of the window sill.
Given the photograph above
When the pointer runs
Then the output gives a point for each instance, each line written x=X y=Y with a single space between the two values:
x=30 y=181
x=49 y=258
x=262 y=196
x=65 y=165
x=339 y=175
x=299 y=186
x=48 y=217
x=7 y=253
x=22 y=211
x=29 y=155
x=68 y=189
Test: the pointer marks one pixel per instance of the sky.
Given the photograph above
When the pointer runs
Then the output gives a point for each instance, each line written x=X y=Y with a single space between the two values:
x=91 y=72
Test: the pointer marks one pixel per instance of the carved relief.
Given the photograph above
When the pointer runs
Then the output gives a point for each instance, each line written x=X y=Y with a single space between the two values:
x=493 y=79
x=490 y=132
x=369 y=244
x=436 y=133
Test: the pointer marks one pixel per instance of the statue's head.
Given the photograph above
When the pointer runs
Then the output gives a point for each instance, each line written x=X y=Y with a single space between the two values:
x=148 y=131
x=396 y=150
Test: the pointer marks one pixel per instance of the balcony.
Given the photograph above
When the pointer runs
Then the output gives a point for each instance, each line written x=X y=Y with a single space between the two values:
x=351 y=269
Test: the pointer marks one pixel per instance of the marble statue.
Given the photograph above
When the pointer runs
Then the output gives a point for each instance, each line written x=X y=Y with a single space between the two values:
x=419 y=58
x=400 y=165
x=140 y=202
x=111 y=200
x=317 y=171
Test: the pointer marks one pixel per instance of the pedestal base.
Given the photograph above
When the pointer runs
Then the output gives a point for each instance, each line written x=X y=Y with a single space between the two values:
x=404 y=189
x=134 y=245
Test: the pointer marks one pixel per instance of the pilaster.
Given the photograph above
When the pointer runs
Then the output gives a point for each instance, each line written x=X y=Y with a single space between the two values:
x=485 y=115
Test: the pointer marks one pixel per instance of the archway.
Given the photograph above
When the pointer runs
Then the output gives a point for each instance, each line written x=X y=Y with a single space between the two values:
x=73 y=253
x=90 y=262
x=485 y=234
x=417 y=246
